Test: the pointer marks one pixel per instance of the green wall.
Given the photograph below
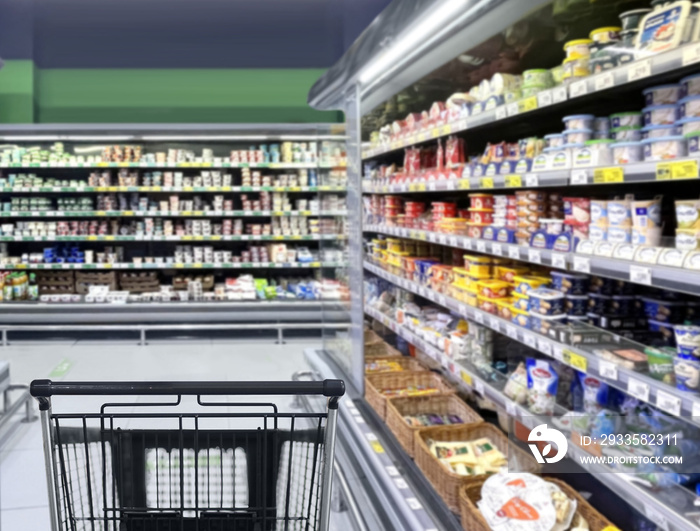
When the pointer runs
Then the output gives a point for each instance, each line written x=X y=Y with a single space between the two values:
x=157 y=95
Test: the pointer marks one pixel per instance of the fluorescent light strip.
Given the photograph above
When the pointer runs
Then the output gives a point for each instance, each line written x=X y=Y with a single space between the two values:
x=415 y=37
x=53 y=138
x=192 y=138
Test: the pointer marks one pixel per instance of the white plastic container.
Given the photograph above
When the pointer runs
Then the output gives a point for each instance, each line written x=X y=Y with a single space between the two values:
x=594 y=153
x=626 y=119
x=690 y=107
x=554 y=140
x=578 y=136
x=626 y=134
x=664 y=148
x=579 y=121
x=646 y=236
x=693 y=140
x=691 y=85
x=627 y=152
x=619 y=235
x=663 y=94
x=689 y=125
x=665 y=28
x=601 y=124
x=661 y=114
x=657 y=131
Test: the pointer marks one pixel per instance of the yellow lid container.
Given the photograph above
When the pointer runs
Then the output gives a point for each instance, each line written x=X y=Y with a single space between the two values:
x=494 y=289
x=508 y=273
x=524 y=283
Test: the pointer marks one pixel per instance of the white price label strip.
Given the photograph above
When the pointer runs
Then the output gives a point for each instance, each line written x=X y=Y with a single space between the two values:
x=695 y=412
x=481 y=246
x=392 y=471
x=414 y=504
x=534 y=256
x=495 y=323
x=467 y=244
x=656 y=517
x=531 y=179
x=604 y=81
x=545 y=347
x=640 y=275
x=544 y=98
x=669 y=403
x=559 y=260
x=512 y=331
x=479 y=317
x=559 y=95
x=531 y=341
x=578 y=89
x=582 y=264
x=479 y=386
x=514 y=252
x=607 y=370
x=401 y=483
x=511 y=408
x=691 y=54
x=638 y=389
x=501 y=112
x=512 y=109
x=639 y=70
x=579 y=177
x=497 y=249
x=453 y=241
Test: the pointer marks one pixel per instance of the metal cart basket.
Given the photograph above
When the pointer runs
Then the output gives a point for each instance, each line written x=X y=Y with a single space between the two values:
x=130 y=465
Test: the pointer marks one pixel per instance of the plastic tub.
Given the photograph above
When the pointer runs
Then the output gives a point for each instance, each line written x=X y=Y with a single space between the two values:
x=537 y=78
x=606 y=35
x=576 y=68
x=478 y=266
x=663 y=94
x=579 y=121
x=664 y=148
x=508 y=273
x=658 y=131
x=687 y=374
x=688 y=125
x=691 y=85
x=542 y=324
x=663 y=310
x=578 y=48
x=570 y=283
x=626 y=134
x=626 y=119
x=690 y=107
x=627 y=152
x=481 y=201
x=662 y=114
x=661 y=364
x=631 y=19
x=554 y=140
x=576 y=305
x=687 y=341
x=545 y=301
x=521 y=318
x=494 y=289
x=524 y=283
x=578 y=136
x=521 y=302
x=600 y=304
x=481 y=216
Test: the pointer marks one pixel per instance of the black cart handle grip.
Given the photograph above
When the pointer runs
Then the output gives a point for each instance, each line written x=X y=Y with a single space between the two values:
x=47 y=388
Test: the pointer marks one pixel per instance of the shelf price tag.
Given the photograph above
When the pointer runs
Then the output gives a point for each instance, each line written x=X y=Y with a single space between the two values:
x=501 y=112
x=669 y=403
x=640 y=275
x=560 y=94
x=531 y=179
x=544 y=346
x=467 y=244
x=559 y=260
x=466 y=378
x=638 y=389
x=495 y=323
x=686 y=169
x=534 y=256
x=496 y=249
x=527 y=104
x=544 y=98
x=512 y=332
x=514 y=181
x=463 y=184
x=579 y=177
x=656 y=517
x=607 y=369
x=608 y=175
x=512 y=109
x=487 y=182
x=582 y=264
x=511 y=409
x=531 y=341
x=578 y=89
x=691 y=54
x=604 y=81
x=639 y=70
x=479 y=317
x=575 y=360
x=514 y=252
x=446 y=130
x=481 y=246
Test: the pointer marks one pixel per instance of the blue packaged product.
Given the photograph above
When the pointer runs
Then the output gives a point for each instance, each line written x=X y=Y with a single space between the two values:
x=564 y=243
x=489 y=233
x=570 y=283
x=622 y=305
x=541 y=240
x=576 y=305
x=599 y=303
x=523 y=166
x=521 y=302
x=603 y=423
x=663 y=328
x=505 y=235
x=542 y=384
x=545 y=324
x=507 y=167
x=521 y=318
x=545 y=301
x=687 y=341
x=601 y=285
x=663 y=94
x=663 y=310
x=687 y=373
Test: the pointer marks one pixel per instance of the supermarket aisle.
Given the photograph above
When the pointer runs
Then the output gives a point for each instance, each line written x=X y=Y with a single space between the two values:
x=23 y=498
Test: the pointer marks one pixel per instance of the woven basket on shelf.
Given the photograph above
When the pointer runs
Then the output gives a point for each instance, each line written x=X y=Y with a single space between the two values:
x=376 y=383
x=473 y=520
x=406 y=363
x=398 y=408
x=381 y=349
x=446 y=482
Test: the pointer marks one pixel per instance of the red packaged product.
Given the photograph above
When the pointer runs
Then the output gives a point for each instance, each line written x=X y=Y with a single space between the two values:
x=440 y=156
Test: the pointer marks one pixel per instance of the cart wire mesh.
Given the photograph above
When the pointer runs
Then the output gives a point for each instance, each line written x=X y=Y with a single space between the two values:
x=143 y=471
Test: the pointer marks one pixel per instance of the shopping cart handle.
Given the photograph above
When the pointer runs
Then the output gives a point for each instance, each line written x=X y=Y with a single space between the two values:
x=47 y=388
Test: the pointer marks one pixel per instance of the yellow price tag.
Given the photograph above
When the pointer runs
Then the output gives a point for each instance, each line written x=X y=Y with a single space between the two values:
x=687 y=169
x=446 y=129
x=514 y=181
x=101 y=213
x=198 y=265
x=187 y=213
x=528 y=104
x=179 y=266
x=155 y=188
x=464 y=184
x=422 y=187
x=102 y=164
x=413 y=139
x=109 y=238
x=467 y=378
x=609 y=175
x=394 y=145
x=413 y=187
x=21 y=266
x=92 y=238
x=575 y=360
x=315 y=264
x=123 y=165
x=377 y=447
x=487 y=182
x=128 y=212
x=199 y=238
x=435 y=132
x=187 y=238
x=187 y=189
x=107 y=266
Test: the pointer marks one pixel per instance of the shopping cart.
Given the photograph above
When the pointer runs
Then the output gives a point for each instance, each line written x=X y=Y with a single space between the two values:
x=156 y=466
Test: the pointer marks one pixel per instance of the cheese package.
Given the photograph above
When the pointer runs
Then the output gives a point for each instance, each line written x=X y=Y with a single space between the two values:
x=469 y=458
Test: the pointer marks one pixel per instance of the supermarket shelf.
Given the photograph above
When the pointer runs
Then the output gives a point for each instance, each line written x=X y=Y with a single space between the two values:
x=408 y=500
x=669 y=399
x=168 y=267
x=166 y=213
x=468 y=380
x=642 y=70
x=155 y=165
x=186 y=189
x=643 y=273
x=229 y=238
x=640 y=172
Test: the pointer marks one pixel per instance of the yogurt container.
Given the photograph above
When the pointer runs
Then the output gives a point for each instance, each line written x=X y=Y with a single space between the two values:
x=647 y=213
x=538 y=77
x=688 y=125
x=578 y=48
x=657 y=131
x=691 y=85
x=663 y=310
x=599 y=303
x=688 y=341
x=579 y=121
x=599 y=212
x=688 y=214
x=627 y=152
x=552 y=226
x=521 y=318
x=663 y=94
x=626 y=119
x=606 y=35
x=597 y=233
x=554 y=140
x=570 y=283
x=687 y=239
x=543 y=324
x=525 y=283
x=661 y=114
x=690 y=107
x=626 y=134
x=597 y=152
x=578 y=136
x=601 y=124
x=619 y=235
x=646 y=236
x=631 y=19
x=521 y=302
x=664 y=148
x=576 y=67
x=576 y=305
x=693 y=140
x=687 y=374
x=545 y=301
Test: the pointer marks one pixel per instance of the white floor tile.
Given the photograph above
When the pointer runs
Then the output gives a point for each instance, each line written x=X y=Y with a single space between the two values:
x=32 y=519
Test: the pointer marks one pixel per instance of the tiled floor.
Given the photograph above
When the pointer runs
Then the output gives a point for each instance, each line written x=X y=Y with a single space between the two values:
x=23 y=496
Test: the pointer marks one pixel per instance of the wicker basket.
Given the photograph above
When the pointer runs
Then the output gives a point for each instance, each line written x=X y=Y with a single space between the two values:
x=380 y=350
x=472 y=519
x=398 y=408
x=376 y=383
x=446 y=482
x=406 y=363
